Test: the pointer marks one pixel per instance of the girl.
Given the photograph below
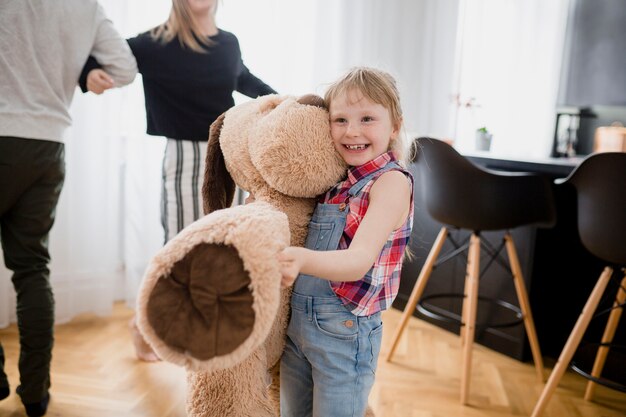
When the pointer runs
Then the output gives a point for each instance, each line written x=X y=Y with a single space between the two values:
x=190 y=69
x=350 y=269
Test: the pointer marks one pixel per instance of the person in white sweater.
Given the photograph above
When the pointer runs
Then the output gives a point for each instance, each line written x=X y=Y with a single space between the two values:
x=43 y=47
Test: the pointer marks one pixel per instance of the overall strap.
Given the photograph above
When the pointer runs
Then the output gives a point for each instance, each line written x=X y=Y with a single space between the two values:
x=358 y=186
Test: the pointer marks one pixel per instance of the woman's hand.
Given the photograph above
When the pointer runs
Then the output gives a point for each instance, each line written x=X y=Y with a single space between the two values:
x=99 y=81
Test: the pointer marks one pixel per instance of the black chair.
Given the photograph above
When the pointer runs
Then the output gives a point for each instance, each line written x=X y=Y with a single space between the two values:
x=462 y=195
x=600 y=184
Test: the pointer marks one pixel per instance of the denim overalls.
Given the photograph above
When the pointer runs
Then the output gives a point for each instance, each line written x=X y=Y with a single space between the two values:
x=328 y=366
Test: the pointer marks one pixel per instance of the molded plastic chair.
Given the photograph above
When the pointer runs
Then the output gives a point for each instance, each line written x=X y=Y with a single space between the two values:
x=600 y=183
x=462 y=195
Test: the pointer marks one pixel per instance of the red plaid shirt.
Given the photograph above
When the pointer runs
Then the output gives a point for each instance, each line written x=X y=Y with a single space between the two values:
x=378 y=288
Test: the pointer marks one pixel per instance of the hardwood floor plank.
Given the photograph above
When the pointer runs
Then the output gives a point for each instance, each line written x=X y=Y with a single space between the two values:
x=95 y=374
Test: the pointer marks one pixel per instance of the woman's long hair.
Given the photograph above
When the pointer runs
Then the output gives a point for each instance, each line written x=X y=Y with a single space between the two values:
x=182 y=24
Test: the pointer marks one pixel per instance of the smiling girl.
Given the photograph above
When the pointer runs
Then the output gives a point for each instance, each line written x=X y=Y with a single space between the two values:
x=349 y=270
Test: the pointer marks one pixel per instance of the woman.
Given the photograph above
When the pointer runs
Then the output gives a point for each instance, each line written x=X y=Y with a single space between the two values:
x=190 y=68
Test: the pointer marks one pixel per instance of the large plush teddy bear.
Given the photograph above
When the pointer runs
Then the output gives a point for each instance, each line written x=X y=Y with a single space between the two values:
x=211 y=299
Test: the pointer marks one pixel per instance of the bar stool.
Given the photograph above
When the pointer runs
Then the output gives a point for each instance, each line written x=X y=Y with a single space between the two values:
x=600 y=183
x=462 y=195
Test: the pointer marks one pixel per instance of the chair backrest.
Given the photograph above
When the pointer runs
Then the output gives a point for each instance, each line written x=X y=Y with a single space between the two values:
x=600 y=182
x=458 y=193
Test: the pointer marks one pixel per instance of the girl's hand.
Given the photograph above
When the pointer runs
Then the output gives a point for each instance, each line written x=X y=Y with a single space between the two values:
x=99 y=81
x=290 y=260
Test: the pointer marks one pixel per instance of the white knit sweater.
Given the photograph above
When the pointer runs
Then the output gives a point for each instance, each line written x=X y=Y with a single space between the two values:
x=43 y=47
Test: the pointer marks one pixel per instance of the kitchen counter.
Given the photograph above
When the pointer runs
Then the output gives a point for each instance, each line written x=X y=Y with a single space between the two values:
x=553 y=167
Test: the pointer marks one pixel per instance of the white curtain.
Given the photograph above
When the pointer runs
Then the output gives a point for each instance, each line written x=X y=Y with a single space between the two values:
x=108 y=225
x=508 y=74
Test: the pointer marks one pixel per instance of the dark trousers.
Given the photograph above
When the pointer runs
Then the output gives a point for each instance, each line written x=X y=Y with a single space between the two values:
x=31 y=177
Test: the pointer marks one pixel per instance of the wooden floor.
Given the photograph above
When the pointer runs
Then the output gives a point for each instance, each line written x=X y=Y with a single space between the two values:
x=94 y=374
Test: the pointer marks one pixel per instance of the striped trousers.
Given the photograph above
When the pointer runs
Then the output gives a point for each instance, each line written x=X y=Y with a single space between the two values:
x=183 y=174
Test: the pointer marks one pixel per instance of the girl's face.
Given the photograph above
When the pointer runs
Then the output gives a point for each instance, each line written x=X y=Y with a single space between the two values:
x=361 y=129
x=199 y=7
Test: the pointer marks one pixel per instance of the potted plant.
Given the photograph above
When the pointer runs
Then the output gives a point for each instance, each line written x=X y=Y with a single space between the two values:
x=483 y=139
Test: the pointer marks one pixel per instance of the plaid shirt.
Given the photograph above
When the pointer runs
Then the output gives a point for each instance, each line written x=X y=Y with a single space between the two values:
x=378 y=288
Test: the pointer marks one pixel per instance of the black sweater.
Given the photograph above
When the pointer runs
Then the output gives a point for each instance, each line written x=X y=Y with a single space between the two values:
x=185 y=91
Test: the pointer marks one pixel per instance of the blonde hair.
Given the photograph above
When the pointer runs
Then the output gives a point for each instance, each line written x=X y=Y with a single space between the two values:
x=379 y=87
x=182 y=24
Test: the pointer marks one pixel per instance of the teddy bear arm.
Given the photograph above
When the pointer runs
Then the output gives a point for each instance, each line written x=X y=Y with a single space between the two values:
x=203 y=307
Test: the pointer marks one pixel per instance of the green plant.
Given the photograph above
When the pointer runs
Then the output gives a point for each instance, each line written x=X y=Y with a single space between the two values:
x=482 y=130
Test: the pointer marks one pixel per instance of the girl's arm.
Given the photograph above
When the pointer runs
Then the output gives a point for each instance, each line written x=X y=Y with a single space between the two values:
x=388 y=209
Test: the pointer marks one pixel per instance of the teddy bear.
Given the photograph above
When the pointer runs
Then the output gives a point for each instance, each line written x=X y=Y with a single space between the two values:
x=211 y=299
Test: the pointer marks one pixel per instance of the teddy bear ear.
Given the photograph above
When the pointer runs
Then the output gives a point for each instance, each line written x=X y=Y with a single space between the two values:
x=218 y=188
x=312 y=100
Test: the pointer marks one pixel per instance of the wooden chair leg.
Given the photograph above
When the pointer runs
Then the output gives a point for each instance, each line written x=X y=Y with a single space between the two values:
x=522 y=297
x=464 y=304
x=469 y=314
x=572 y=342
x=418 y=289
x=467 y=290
x=607 y=337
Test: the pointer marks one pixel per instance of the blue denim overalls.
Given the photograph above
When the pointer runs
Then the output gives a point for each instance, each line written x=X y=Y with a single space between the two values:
x=328 y=366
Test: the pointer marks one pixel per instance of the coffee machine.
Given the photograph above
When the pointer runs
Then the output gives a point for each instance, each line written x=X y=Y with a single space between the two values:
x=575 y=128
x=572 y=134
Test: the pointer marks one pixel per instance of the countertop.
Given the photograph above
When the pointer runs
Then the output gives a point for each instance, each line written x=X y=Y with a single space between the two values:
x=555 y=167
